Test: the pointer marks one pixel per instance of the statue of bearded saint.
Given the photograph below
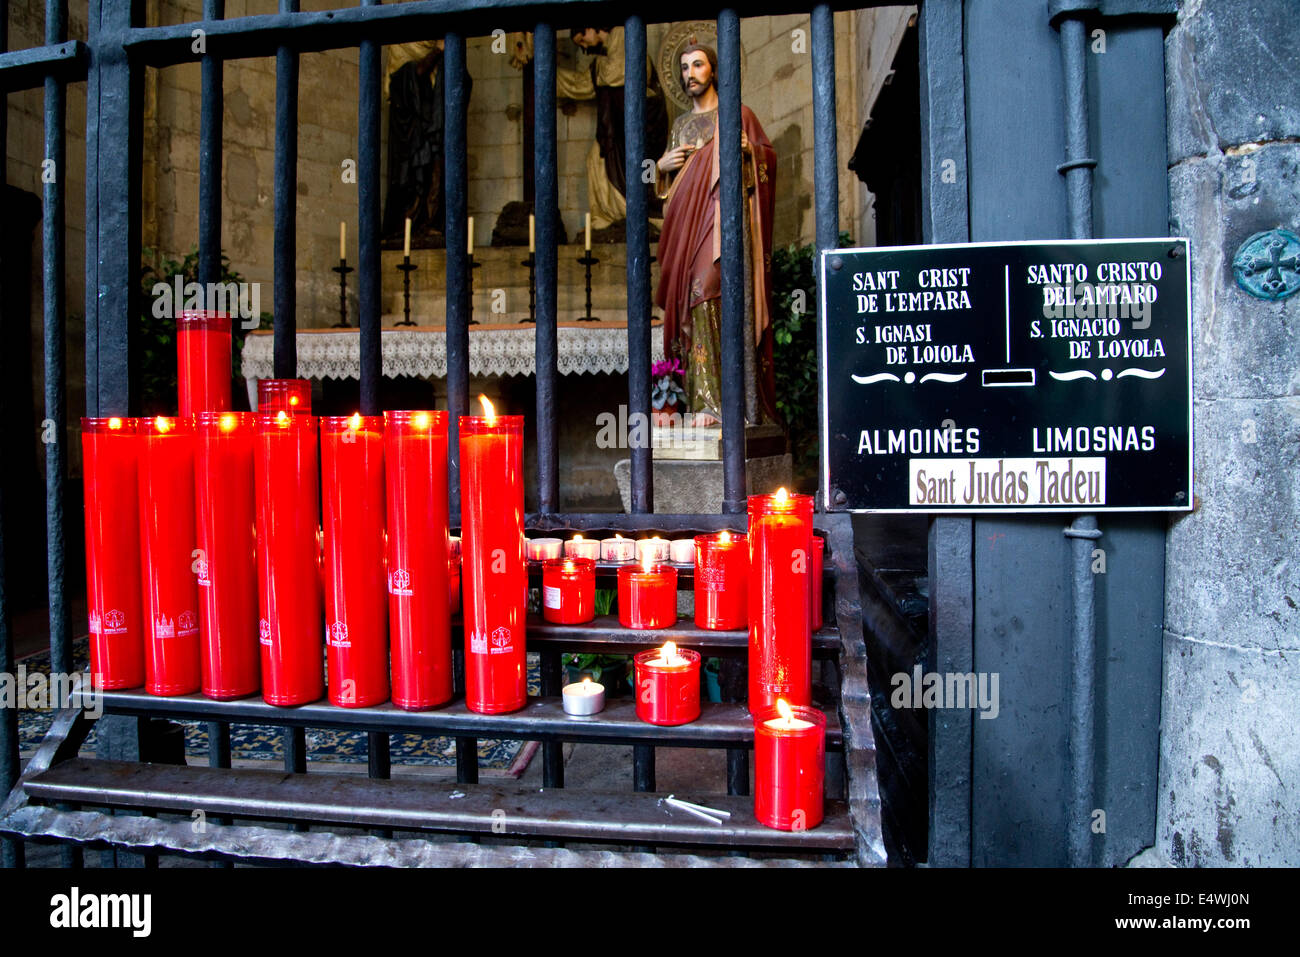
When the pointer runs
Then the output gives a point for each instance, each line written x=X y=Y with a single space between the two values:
x=690 y=280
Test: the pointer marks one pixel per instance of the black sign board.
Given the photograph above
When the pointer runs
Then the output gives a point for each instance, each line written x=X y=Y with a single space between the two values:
x=1007 y=377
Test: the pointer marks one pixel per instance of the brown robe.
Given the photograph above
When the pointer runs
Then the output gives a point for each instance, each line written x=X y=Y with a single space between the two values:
x=690 y=246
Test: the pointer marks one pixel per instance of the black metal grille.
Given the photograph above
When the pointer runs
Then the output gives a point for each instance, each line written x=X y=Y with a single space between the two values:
x=112 y=63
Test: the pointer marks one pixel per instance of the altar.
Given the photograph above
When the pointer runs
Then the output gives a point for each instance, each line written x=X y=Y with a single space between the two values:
x=495 y=350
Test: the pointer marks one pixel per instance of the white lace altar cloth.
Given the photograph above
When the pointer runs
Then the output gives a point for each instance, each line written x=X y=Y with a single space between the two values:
x=494 y=351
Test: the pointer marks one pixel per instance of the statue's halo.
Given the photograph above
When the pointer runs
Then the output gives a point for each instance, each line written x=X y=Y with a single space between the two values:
x=668 y=62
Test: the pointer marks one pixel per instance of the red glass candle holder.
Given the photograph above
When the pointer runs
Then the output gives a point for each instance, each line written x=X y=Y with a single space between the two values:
x=167 y=556
x=647 y=597
x=419 y=596
x=110 y=457
x=667 y=693
x=203 y=362
x=721 y=577
x=569 y=590
x=226 y=568
x=789 y=767
x=492 y=559
x=356 y=606
x=288 y=559
x=815 y=582
x=780 y=559
x=284 y=395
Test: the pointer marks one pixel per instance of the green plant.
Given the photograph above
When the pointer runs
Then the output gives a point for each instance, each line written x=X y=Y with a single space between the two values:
x=612 y=667
x=157 y=335
x=794 y=353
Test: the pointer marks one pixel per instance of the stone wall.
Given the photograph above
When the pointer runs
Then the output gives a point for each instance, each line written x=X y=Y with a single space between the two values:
x=1229 y=757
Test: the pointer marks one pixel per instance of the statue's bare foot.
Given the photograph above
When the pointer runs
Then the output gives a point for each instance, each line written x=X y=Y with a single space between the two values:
x=703 y=420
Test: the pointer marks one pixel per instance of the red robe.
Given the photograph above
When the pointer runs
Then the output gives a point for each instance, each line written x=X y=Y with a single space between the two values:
x=690 y=245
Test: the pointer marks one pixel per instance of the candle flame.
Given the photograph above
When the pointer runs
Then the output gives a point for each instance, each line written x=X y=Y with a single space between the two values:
x=784 y=709
x=617 y=535
x=293 y=400
x=162 y=424
x=586 y=683
x=421 y=420
x=724 y=536
x=577 y=538
x=647 y=562
x=115 y=423
x=782 y=495
x=488 y=411
x=228 y=423
x=668 y=652
x=354 y=423
x=282 y=417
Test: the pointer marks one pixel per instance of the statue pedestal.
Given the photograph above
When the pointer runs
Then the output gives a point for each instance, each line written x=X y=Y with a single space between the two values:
x=687 y=468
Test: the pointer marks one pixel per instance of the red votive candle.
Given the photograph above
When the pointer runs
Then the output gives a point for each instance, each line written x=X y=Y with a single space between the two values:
x=667 y=685
x=780 y=642
x=569 y=590
x=815 y=582
x=356 y=606
x=226 y=569
x=284 y=395
x=288 y=563
x=419 y=596
x=647 y=596
x=721 y=574
x=495 y=574
x=789 y=766
x=109 y=454
x=203 y=362
x=167 y=556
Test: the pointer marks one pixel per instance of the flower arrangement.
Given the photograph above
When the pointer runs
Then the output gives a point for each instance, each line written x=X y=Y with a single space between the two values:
x=666 y=390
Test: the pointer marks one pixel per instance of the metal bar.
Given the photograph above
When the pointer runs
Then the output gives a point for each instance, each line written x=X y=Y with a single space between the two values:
x=733 y=265
x=219 y=757
x=285 y=314
x=295 y=749
x=737 y=771
x=825 y=158
x=638 y=258
x=379 y=766
x=11 y=851
x=643 y=767
x=28 y=69
x=455 y=203
x=211 y=111
x=552 y=751
x=1077 y=170
x=369 y=278
x=547 y=206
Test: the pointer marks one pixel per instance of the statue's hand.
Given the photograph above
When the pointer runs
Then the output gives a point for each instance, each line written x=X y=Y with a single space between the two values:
x=674 y=159
x=744 y=140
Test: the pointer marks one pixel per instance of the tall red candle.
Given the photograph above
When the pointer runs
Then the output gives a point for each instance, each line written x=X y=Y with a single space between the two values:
x=667 y=685
x=288 y=564
x=226 y=567
x=492 y=556
x=569 y=590
x=110 y=454
x=168 y=559
x=789 y=766
x=721 y=577
x=203 y=362
x=815 y=582
x=284 y=395
x=780 y=642
x=356 y=607
x=647 y=596
x=419 y=565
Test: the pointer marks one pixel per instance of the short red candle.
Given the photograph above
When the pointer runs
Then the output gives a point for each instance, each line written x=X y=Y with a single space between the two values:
x=284 y=395
x=815 y=582
x=226 y=568
x=569 y=590
x=203 y=362
x=492 y=557
x=288 y=563
x=789 y=767
x=780 y=642
x=356 y=606
x=415 y=451
x=167 y=556
x=721 y=576
x=667 y=694
x=647 y=597
x=110 y=454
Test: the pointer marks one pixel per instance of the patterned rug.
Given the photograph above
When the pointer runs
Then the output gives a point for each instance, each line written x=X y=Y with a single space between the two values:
x=266 y=743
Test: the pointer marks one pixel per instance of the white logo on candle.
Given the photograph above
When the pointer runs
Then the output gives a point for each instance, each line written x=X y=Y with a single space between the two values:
x=501 y=641
x=187 y=623
x=164 y=627
x=337 y=635
x=478 y=644
x=264 y=631
x=113 y=623
x=201 y=567
x=399 y=582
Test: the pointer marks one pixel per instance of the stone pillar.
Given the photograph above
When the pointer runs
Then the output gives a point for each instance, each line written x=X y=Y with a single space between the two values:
x=1229 y=755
